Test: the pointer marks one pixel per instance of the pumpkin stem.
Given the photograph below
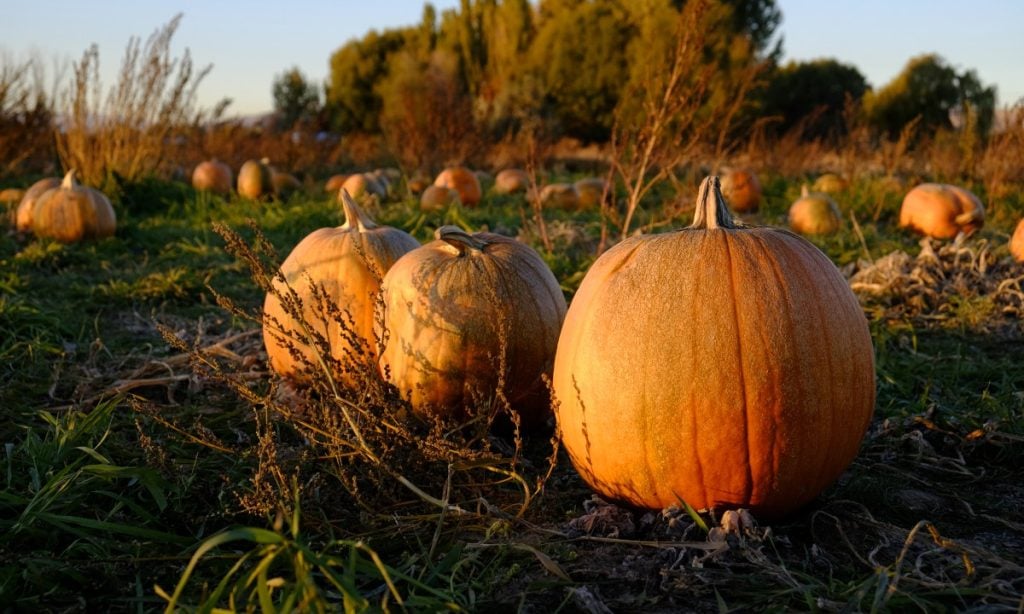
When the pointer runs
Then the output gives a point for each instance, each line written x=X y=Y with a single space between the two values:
x=69 y=180
x=712 y=211
x=804 y=192
x=354 y=216
x=459 y=239
x=967 y=217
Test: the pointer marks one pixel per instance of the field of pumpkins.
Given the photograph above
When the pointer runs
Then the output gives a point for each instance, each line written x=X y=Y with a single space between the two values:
x=451 y=390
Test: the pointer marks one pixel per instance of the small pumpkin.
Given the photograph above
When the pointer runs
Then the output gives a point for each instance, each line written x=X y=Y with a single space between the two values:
x=815 y=213
x=1017 y=242
x=463 y=181
x=941 y=211
x=436 y=197
x=72 y=212
x=465 y=313
x=11 y=195
x=742 y=190
x=334 y=183
x=721 y=365
x=27 y=206
x=590 y=191
x=284 y=184
x=511 y=181
x=360 y=186
x=561 y=195
x=254 y=179
x=212 y=176
x=349 y=262
x=418 y=183
x=830 y=183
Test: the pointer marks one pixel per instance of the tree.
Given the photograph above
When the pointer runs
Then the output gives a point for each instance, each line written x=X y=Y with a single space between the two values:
x=931 y=89
x=813 y=94
x=296 y=99
x=356 y=68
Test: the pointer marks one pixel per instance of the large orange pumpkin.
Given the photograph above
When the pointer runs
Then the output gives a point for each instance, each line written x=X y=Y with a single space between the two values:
x=742 y=190
x=941 y=211
x=27 y=206
x=212 y=176
x=463 y=181
x=254 y=179
x=721 y=365
x=1017 y=242
x=815 y=213
x=466 y=313
x=349 y=262
x=72 y=212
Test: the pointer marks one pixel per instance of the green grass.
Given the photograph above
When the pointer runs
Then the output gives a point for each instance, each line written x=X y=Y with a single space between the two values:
x=136 y=498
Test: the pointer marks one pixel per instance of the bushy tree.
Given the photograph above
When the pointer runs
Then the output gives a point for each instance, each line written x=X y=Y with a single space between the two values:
x=813 y=93
x=296 y=99
x=933 y=90
x=356 y=69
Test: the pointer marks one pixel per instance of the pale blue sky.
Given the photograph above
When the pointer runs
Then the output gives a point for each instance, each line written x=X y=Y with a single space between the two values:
x=250 y=42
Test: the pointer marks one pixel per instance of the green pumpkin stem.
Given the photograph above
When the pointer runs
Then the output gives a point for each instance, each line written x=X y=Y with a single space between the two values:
x=712 y=210
x=459 y=239
x=355 y=217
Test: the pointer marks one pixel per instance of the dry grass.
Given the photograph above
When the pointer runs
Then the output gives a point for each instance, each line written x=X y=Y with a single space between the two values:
x=26 y=116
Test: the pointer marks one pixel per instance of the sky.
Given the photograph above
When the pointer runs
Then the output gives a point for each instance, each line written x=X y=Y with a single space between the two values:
x=250 y=43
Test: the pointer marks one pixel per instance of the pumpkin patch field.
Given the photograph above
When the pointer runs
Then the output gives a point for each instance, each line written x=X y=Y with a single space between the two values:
x=166 y=446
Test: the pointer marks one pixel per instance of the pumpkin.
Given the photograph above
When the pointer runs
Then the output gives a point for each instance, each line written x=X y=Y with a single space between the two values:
x=11 y=195
x=590 y=191
x=72 y=212
x=561 y=195
x=23 y=215
x=721 y=365
x=360 y=186
x=212 y=176
x=465 y=314
x=334 y=183
x=1017 y=242
x=254 y=179
x=742 y=190
x=815 y=213
x=463 y=181
x=830 y=183
x=941 y=211
x=284 y=184
x=349 y=262
x=418 y=182
x=511 y=181
x=436 y=197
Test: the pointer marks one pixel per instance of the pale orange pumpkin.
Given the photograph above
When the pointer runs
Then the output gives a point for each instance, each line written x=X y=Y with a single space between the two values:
x=941 y=211
x=720 y=365
x=334 y=183
x=254 y=179
x=1017 y=242
x=212 y=176
x=72 y=212
x=511 y=181
x=463 y=181
x=561 y=195
x=815 y=213
x=436 y=197
x=830 y=183
x=590 y=191
x=465 y=313
x=27 y=206
x=349 y=262
x=360 y=186
x=11 y=195
x=742 y=190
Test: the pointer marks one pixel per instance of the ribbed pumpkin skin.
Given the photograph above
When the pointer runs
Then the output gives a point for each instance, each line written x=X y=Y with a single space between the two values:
x=1017 y=242
x=254 y=180
x=815 y=213
x=445 y=309
x=72 y=212
x=941 y=211
x=27 y=206
x=463 y=181
x=726 y=367
x=742 y=190
x=339 y=259
x=212 y=176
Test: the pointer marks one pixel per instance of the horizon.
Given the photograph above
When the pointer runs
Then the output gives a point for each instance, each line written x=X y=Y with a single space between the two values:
x=244 y=67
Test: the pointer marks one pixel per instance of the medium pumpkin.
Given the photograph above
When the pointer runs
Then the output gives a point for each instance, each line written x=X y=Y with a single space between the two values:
x=72 y=212
x=1017 y=242
x=360 y=186
x=448 y=307
x=334 y=183
x=11 y=195
x=830 y=183
x=561 y=195
x=511 y=181
x=721 y=365
x=212 y=176
x=742 y=190
x=254 y=179
x=436 y=197
x=941 y=211
x=27 y=206
x=463 y=181
x=815 y=213
x=348 y=261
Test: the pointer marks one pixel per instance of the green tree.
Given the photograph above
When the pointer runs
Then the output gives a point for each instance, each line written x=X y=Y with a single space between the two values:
x=296 y=99
x=356 y=69
x=813 y=94
x=931 y=89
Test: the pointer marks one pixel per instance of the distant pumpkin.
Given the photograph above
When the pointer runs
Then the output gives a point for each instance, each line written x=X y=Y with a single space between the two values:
x=362 y=185
x=212 y=176
x=742 y=190
x=334 y=183
x=815 y=213
x=590 y=190
x=27 y=206
x=11 y=195
x=436 y=197
x=72 y=212
x=1017 y=242
x=254 y=180
x=830 y=183
x=284 y=184
x=941 y=211
x=511 y=181
x=463 y=181
x=561 y=195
